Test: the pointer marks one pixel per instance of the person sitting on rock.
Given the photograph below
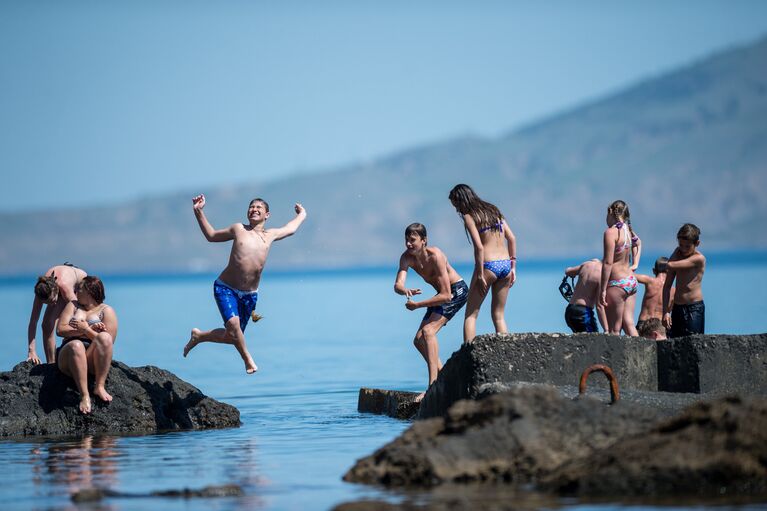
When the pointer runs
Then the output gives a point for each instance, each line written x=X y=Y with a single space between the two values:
x=579 y=313
x=89 y=329
x=54 y=289
x=432 y=265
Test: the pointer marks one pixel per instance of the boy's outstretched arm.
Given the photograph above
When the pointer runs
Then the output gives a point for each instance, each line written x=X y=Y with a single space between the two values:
x=399 y=282
x=444 y=294
x=291 y=227
x=670 y=276
x=208 y=231
x=34 y=316
x=573 y=271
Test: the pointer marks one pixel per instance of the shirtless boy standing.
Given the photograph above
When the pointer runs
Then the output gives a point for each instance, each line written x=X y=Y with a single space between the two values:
x=431 y=264
x=687 y=266
x=236 y=289
x=579 y=314
x=652 y=302
x=54 y=289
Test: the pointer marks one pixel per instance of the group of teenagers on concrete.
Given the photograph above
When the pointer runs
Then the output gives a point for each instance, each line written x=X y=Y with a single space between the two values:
x=76 y=311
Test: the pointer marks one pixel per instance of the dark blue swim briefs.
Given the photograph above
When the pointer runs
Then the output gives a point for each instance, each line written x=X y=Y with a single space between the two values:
x=460 y=293
x=233 y=302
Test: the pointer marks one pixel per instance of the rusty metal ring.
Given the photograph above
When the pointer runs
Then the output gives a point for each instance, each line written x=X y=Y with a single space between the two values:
x=614 y=392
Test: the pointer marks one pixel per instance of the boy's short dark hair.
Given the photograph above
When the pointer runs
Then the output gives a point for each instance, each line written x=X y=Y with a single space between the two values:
x=46 y=287
x=258 y=199
x=689 y=232
x=94 y=287
x=661 y=264
x=649 y=326
x=416 y=228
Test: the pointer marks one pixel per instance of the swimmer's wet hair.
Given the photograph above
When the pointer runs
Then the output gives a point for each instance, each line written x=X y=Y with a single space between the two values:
x=689 y=232
x=46 y=287
x=262 y=201
x=94 y=287
x=651 y=325
x=661 y=264
x=416 y=228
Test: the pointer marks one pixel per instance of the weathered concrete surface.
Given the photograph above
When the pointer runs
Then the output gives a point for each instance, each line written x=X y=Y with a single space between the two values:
x=555 y=359
x=708 y=364
x=714 y=364
x=714 y=448
x=40 y=400
x=394 y=403
x=516 y=436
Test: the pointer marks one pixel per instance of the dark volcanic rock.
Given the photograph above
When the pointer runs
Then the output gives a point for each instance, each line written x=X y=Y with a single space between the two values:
x=713 y=448
x=394 y=403
x=517 y=436
x=40 y=400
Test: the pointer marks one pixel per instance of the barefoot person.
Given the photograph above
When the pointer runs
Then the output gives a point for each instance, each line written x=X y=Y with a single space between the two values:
x=236 y=289
x=89 y=329
x=431 y=264
x=652 y=302
x=495 y=257
x=54 y=289
x=617 y=282
x=579 y=314
x=686 y=265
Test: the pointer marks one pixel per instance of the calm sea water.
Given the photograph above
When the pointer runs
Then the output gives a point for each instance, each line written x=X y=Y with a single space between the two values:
x=323 y=337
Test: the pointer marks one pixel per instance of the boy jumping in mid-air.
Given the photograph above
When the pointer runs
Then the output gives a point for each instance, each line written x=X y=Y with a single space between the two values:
x=236 y=289
x=431 y=264
x=652 y=301
x=687 y=266
x=579 y=313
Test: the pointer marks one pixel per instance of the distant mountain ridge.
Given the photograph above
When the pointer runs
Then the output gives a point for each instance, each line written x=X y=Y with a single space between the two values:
x=690 y=145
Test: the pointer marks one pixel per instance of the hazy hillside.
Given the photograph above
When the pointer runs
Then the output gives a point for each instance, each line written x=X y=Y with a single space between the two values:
x=686 y=146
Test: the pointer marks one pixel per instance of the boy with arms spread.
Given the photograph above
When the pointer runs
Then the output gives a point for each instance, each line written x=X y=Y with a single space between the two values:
x=652 y=301
x=431 y=264
x=55 y=289
x=236 y=289
x=687 y=266
x=579 y=313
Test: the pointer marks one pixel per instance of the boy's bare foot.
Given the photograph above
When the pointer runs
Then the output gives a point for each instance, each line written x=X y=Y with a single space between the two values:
x=193 y=341
x=102 y=394
x=85 y=405
x=250 y=366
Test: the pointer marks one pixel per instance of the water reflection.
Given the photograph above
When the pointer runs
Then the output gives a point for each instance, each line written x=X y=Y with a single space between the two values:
x=72 y=465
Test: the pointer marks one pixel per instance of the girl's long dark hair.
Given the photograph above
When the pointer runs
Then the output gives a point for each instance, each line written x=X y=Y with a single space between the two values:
x=467 y=202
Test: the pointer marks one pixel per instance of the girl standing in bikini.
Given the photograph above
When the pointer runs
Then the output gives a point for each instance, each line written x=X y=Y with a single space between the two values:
x=618 y=282
x=495 y=257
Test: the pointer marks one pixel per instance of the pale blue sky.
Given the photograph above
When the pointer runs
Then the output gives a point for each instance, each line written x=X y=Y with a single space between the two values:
x=129 y=98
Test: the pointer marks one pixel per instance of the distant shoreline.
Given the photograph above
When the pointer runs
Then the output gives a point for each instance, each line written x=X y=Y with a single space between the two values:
x=733 y=258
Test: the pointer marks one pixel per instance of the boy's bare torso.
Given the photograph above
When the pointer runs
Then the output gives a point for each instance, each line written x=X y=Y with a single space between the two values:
x=652 y=303
x=66 y=279
x=688 y=281
x=428 y=268
x=587 y=286
x=250 y=248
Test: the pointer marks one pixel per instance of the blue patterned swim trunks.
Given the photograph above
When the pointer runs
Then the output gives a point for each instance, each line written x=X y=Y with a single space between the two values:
x=233 y=302
x=460 y=294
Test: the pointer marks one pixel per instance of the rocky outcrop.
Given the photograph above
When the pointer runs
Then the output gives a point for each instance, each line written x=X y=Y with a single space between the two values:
x=712 y=364
x=394 y=403
x=516 y=436
x=533 y=437
x=40 y=400
x=714 y=448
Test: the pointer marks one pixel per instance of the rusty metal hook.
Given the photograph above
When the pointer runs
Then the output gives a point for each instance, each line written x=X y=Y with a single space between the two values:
x=614 y=392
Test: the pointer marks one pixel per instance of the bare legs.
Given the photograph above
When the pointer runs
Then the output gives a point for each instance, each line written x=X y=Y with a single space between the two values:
x=616 y=301
x=500 y=289
x=628 y=316
x=229 y=335
x=76 y=362
x=426 y=343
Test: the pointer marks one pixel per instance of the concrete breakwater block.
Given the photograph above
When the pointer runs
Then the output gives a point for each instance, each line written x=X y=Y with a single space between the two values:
x=394 y=403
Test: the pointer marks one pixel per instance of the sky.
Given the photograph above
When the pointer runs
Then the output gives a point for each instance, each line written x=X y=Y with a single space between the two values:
x=104 y=101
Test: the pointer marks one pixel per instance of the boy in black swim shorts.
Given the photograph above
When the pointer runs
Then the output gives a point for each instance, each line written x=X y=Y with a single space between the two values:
x=432 y=265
